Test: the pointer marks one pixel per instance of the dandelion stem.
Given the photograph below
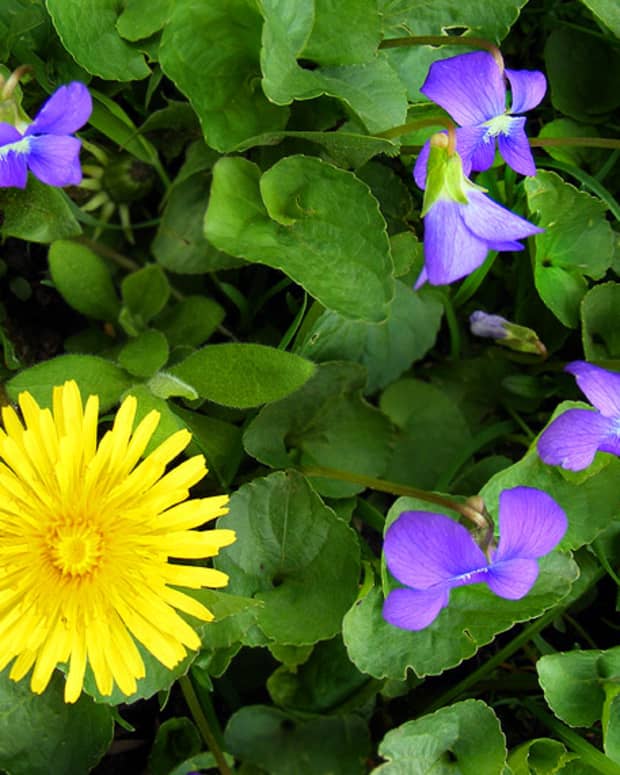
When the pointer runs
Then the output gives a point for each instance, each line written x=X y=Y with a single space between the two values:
x=202 y=723
x=468 y=510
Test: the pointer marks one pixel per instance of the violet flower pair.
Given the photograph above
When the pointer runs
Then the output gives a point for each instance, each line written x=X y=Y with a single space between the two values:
x=47 y=147
x=461 y=229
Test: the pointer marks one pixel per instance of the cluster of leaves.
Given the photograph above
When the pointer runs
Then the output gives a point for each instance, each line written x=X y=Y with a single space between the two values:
x=262 y=298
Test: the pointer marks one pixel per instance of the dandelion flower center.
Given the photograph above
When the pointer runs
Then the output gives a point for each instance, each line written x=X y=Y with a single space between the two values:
x=76 y=549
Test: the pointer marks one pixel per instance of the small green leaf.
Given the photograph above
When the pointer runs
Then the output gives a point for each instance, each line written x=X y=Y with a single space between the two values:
x=95 y=376
x=465 y=737
x=145 y=354
x=71 y=738
x=142 y=18
x=83 y=280
x=88 y=31
x=243 y=375
x=176 y=740
x=145 y=292
x=164 y=385
x=39 y=213
x=328 y=423
x=577 y=241
x=540 y=757
x=318 y=224
x=191 y=321
x=293 y=554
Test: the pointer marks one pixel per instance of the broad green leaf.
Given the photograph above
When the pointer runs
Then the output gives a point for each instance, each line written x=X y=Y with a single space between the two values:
x=490 y=19
x=395 y=201
x=370 y=87
x=211 y=52
x=295 y=555
x=319 y=685
x=39 y=732
x=328 y=423
x=39 y=213
x=462 y=739
x=427 y=418
x=145 y=292
x=87 y=29
x=576 y=86
x=574 y=683
x=344 y=33
x=385 y=349
x=600 y=322
x=145 y=354
x=577 y=241
x=190 y=321
x=180 y=245
x=243 y=375
x=83 y=279
x=472 y=619
x=142 y=18
x=318 y=224
x=94 y=376
x=541 y=756
x=607 y=11
x=281 y=744
x=572 y=154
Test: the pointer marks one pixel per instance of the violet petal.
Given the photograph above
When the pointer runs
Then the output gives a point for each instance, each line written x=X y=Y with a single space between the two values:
x=601 y=387
x=13 y=169
x=414 y=609
x=423 y=549
x=66 y=111
x=451 y=250
x=469 y=87
x=490 y=221
x=512 y=579
x=515 y=148
x=527 y=87
x=55 y=159
x=573 y=438
x=531 y=524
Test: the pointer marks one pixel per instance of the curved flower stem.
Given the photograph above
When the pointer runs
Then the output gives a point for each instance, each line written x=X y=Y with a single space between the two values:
x=472 y=511
x=8 y=86
x=420 y=123
x=446 y=40
x=203 y=725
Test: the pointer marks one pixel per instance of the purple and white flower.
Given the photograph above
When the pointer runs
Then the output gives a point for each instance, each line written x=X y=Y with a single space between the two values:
x=472 y=89
x=461 y=223
x=432 y=554
x=47 y=147
x=573 y=439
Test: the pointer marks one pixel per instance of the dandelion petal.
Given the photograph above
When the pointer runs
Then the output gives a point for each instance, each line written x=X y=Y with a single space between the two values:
x=414 y=609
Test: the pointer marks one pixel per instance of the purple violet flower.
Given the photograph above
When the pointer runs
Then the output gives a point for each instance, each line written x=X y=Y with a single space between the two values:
x=461 y=223
x=47 y=147
x=573 y=439
x=472 y=89
x=490 y=326
x=431 y=554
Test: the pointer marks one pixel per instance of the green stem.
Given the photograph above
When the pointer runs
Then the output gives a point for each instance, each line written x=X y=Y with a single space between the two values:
x=588 y=753
x=446 y=40
x=393 y=488
x=589 y=142
x=453 y=326
x=420 y=123
x=203 y=725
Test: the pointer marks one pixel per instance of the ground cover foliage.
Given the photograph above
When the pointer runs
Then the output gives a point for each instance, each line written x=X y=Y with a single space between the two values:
x=241 y=257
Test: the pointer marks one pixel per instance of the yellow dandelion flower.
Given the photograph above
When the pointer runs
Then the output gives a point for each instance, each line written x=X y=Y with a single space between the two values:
x=87 y=532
